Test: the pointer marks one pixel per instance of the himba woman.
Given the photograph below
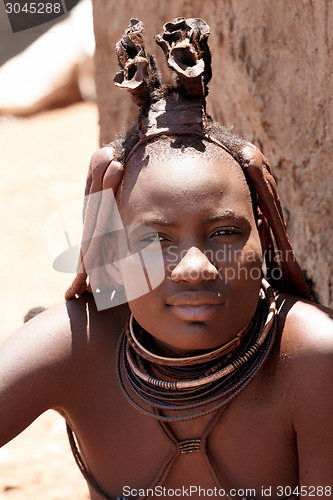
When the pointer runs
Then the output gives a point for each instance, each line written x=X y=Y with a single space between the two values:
x=217 y=381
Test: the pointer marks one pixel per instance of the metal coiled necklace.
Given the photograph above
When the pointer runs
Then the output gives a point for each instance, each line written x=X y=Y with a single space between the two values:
x=200 y=384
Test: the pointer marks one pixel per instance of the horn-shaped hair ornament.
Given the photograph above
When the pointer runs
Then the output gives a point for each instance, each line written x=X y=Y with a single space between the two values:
x=185 y=46
x=181 y=110
x=134 y=63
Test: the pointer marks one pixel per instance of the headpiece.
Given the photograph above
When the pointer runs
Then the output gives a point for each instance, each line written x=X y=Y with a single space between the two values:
x=184 y=43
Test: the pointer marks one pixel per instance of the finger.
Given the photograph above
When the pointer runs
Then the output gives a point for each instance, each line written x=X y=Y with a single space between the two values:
x=108 y=218
x=102 y=218
x=78 y=287
x=113 y=176
x=99 y=162
x=99 y=205
x=97 y=166
x=103 y=174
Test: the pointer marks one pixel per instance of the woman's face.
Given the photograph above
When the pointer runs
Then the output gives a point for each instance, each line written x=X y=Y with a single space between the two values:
x=200 y=207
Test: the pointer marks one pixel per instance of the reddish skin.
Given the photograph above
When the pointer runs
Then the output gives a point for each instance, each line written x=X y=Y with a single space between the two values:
x=190 y=229
x=278 y=431
x=103 y=173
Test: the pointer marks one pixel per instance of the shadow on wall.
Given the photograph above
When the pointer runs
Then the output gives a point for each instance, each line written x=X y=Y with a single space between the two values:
x=55 y=67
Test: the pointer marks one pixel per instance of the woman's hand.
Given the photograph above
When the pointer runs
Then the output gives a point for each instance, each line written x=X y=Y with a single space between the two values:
x=104 y=173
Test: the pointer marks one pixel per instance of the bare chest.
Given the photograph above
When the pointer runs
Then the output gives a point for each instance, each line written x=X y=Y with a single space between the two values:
x=248 y=448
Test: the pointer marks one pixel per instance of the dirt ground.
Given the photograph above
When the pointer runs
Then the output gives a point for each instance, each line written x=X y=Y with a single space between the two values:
x=43 y=165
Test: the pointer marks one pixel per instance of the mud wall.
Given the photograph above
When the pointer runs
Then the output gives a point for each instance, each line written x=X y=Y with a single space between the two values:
x=272 y=67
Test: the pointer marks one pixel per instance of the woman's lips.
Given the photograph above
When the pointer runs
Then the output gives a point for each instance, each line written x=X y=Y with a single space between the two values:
x=204 y=312
x=195 y=306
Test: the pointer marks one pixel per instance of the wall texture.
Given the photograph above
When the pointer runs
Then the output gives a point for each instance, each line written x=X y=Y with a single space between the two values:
x=272 y=80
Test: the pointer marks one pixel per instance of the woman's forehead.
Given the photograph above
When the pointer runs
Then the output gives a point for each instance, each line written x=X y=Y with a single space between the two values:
x=186 y=181
x=156 y=160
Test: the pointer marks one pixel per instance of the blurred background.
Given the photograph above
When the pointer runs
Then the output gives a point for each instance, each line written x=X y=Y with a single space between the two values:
x=272 y=79
x=48 y=132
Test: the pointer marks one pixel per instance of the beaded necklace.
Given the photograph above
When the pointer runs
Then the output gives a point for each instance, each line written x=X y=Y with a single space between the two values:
x=197 y=385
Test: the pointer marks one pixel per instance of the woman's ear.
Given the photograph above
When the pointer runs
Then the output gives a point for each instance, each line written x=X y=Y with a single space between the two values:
x=259 y=221
x=261 y=230
x=100 y=260
x=115 y=247
x=115 y=274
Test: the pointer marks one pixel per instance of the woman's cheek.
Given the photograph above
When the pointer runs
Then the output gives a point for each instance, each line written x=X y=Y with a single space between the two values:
x=243 y=265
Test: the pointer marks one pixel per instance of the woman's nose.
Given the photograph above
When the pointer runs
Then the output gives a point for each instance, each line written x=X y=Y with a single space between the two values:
x=194 y=267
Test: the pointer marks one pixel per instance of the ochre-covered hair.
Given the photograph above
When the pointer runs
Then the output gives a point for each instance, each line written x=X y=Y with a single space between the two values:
x=180 y=109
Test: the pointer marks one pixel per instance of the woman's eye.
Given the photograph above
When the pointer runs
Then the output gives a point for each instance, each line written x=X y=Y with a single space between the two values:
x=153 y=237
x=226 y=231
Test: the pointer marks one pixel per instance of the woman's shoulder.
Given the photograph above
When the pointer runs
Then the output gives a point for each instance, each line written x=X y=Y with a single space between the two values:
x=62 y=339
x=307 y=327
x=48 y=360
x=73 y=321
x=305 y=348
x=306 y=370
